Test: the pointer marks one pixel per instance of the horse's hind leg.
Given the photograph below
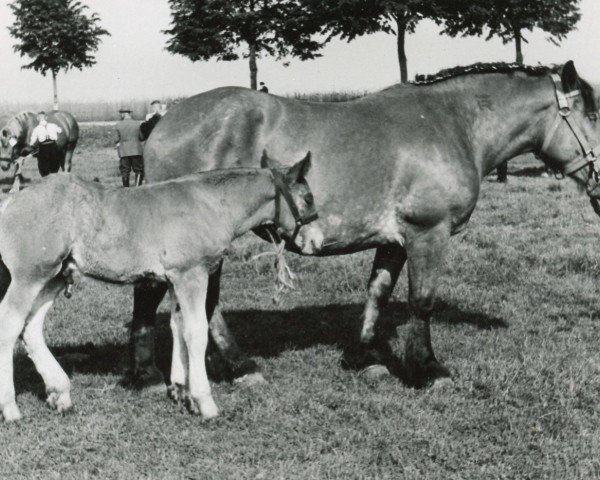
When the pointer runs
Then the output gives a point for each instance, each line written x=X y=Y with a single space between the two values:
x=14 y=309
x=179 y=358
x=227 y=360
x=373 y=348
x=55 y=379
x=426 y=252
x=190 y=288
x=66 y=163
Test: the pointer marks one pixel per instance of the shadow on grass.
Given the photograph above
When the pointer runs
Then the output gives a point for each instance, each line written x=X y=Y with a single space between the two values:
x=259 y=333
x=527 y=172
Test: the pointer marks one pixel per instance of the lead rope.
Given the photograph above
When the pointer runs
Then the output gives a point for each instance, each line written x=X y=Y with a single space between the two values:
x=284 y=279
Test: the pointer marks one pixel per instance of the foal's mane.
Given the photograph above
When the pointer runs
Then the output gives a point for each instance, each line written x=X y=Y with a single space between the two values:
x=587 y=91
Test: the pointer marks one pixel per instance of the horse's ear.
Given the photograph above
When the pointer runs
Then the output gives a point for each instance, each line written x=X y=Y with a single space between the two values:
x=300 y=169
x=268 y=162
x=569 y=77
x=264 y=160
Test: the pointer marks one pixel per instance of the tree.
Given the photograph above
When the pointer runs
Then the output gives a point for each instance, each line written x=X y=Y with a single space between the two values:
x=56 y=35
x=205 y=29
x=352 y=18
x=508 y=19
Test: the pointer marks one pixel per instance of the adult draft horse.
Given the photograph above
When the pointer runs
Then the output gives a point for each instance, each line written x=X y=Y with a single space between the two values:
x=16 y=134
x=175 y=231
x=399 y=171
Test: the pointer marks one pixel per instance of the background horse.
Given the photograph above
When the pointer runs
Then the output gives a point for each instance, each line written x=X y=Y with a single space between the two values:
x=16 y=134
x=399 y=170
x=176 y=232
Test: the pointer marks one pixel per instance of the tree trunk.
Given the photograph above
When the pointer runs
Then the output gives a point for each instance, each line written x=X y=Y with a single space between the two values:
x=400 y=37
x=55 y=89
x=253 y=67
x=518 y=46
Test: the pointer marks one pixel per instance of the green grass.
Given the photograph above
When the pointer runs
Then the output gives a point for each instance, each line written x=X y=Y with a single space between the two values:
x=516 y=322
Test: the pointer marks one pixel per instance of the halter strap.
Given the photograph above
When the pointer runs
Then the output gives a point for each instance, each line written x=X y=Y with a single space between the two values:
x=282 y=190
x=564 y=113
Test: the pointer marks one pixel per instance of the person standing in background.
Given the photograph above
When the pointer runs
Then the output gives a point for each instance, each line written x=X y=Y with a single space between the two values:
x=157 y=110
x=129 y=147
x=263 y=87
x=44 y=137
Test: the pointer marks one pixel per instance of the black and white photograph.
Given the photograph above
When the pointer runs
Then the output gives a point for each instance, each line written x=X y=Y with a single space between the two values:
x=300 y=239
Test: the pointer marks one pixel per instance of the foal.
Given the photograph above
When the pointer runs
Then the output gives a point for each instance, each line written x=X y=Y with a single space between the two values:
x=175 y=231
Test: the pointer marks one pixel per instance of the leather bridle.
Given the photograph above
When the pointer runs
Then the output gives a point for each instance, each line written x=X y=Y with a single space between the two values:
x=588 y=156
x=282 y=190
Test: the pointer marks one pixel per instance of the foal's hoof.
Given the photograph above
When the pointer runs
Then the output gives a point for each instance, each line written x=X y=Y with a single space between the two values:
x=203 y=406
x=11 y=413
x=61 y=402
x=443 y=384
x=250 y=379
x=374 y=372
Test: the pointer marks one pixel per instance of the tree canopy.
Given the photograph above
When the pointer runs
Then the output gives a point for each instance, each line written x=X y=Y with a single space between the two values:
x=228 y=29
x=56 y=35
x=349 y=19
x=508 y=19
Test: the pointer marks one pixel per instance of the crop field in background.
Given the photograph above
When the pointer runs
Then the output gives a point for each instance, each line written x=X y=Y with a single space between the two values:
x=103 y=111
x=517 y=321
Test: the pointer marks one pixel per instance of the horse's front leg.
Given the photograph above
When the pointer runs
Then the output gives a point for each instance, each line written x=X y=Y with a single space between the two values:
x=17 y=177
x=65 y=165
x=426 y=254
x=373 y=349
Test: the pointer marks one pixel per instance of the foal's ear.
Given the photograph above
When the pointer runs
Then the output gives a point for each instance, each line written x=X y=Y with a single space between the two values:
x=300 y=169
x=569 y=77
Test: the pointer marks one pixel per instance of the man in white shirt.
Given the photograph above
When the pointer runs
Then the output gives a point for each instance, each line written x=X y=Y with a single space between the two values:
x=45 y=136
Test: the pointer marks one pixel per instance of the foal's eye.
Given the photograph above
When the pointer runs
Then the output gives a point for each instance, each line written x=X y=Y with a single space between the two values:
x=308 y=198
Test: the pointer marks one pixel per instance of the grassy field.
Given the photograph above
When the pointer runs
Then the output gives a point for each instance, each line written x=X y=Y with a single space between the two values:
x=517 y=322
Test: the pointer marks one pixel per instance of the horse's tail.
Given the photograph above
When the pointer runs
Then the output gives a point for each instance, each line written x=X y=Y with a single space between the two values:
x=5 y=279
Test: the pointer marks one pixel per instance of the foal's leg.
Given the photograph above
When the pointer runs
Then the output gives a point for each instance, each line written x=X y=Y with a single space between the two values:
x=57 y=382
x=373 y=348
x=14 y=309
x=426 y=251
x=179 y=358
x=190 y=288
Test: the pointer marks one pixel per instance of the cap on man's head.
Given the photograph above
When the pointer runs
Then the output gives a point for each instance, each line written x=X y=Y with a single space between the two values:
x=154 y=102
x=262 y=83
x=125 y=110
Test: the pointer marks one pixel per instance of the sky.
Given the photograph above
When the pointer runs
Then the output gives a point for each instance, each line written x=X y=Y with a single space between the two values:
x=133 y=64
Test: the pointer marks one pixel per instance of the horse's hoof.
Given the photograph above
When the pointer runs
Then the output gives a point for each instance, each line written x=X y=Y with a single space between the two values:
x=176 y=392
x=442 y=384
x=421 y=376
x=374 y=372
x=250 y=380
x=150 y=380
x=61 y=402
x=11 y=413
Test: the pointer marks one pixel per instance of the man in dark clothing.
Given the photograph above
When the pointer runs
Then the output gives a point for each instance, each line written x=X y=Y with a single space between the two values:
x=129 y=147
x=156 y=113
x=263 y=87
x=502 y=171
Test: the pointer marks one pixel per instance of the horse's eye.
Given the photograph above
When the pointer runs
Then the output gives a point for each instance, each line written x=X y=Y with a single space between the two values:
x=308 y=198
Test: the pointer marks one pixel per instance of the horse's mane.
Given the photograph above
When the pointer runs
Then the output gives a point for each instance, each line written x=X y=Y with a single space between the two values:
x=495 y=67
x=587 y=91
